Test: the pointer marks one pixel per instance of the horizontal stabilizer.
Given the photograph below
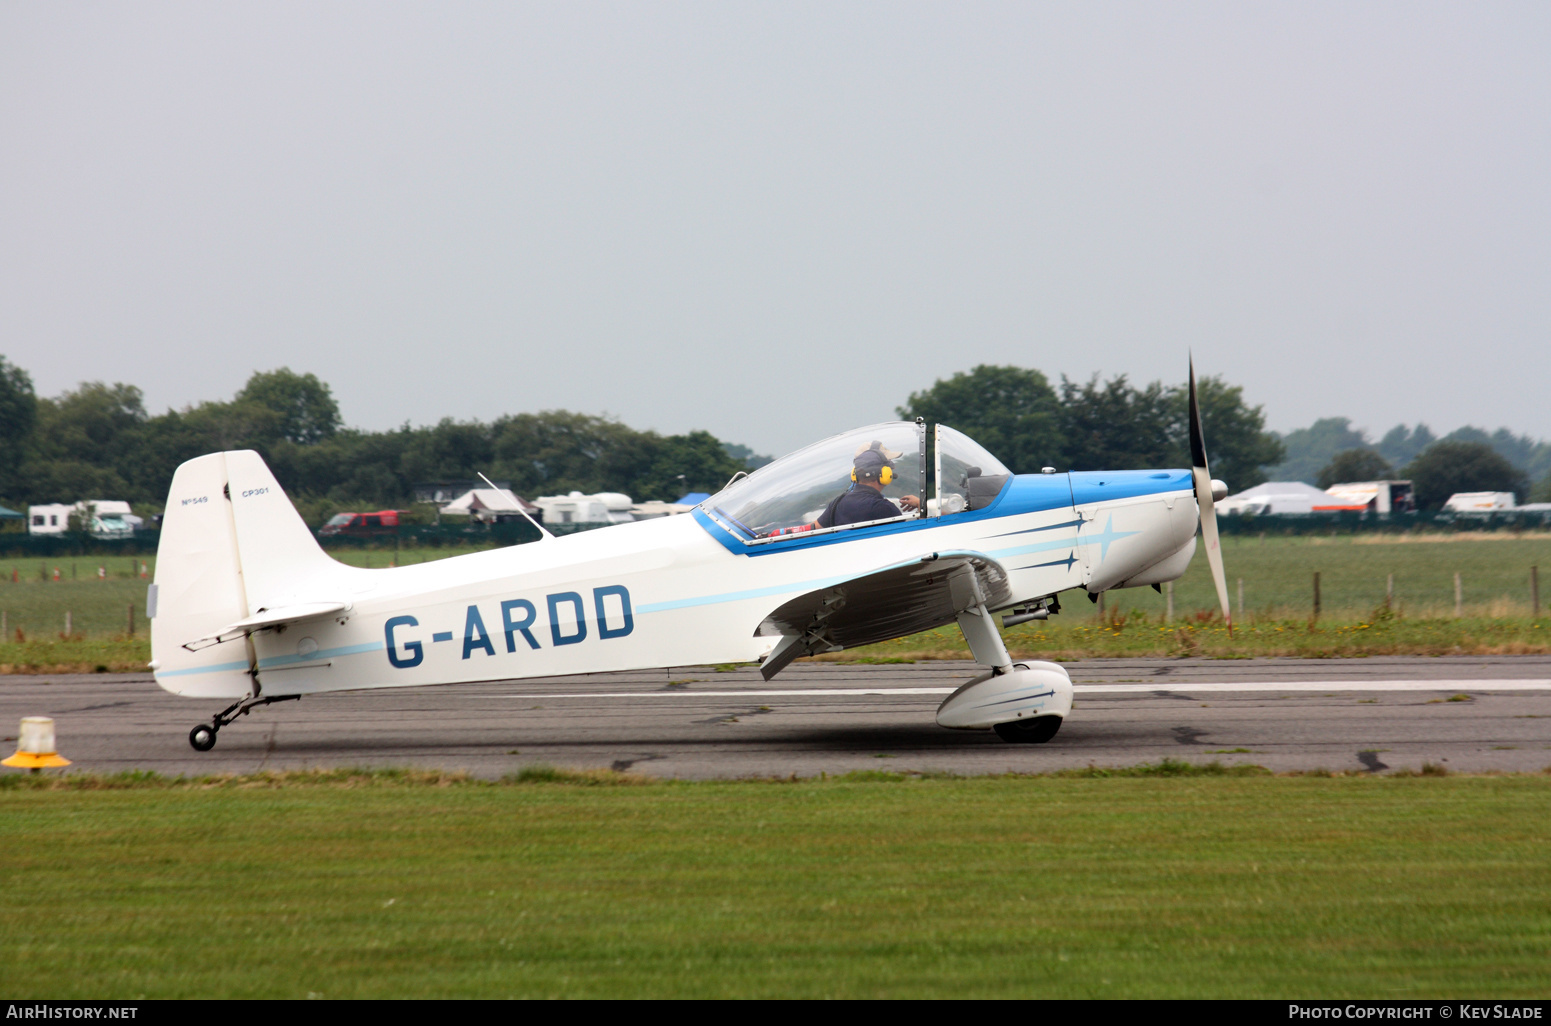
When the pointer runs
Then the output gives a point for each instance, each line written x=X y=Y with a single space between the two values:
x=267 y=618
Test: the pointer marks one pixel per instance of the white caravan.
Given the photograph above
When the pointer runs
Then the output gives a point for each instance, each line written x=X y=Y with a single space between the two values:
x=110 y=518
x=49 y=518
x=576 y=508
x=1480 y=502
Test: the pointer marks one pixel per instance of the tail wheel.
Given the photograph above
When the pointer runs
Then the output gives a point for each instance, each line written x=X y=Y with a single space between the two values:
x=1029 y=732
x=202 y=737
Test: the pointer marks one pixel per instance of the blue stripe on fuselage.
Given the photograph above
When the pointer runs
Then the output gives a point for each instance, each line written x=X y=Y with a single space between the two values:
x=1089 y=486
x=214 y=668
x=1025 y=493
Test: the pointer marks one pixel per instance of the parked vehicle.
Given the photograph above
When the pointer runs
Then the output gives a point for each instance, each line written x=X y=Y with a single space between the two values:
x=1274 y=497
x=362 y=525
x=49 y=518
x=109 y=518
x=1372 y=496
x=1479 y=502
x=576 y=508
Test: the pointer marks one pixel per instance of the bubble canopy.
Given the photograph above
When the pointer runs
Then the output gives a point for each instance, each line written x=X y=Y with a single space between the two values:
x=786 y=498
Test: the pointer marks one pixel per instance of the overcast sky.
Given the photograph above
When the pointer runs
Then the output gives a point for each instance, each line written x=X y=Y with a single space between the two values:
x=774 y=221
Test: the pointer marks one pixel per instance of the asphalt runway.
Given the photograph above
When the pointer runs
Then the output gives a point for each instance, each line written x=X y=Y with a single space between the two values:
x=693 y=722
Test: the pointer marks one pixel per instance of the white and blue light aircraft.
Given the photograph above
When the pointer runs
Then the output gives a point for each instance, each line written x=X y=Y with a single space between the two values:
x=246 y=606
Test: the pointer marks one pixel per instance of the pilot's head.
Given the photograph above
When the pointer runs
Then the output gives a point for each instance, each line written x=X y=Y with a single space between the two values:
x=872 y=464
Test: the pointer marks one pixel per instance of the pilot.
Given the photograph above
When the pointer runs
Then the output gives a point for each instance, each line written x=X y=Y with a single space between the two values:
x=871 y=469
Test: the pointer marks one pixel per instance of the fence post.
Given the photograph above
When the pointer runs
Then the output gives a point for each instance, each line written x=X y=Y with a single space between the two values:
x=1316 y=594
x=3 y=628
x=1168 y=602
x=1534 y=588
x=1241 y=598
x=69 y=630
x=1389 y=591
x=131 y=619
x=1459 y=597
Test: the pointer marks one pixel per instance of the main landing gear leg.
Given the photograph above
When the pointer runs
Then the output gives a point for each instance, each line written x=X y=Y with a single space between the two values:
x=1024 y=702
x=202 y=737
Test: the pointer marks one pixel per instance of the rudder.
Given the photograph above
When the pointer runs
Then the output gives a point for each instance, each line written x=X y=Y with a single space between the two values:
x=282 y=562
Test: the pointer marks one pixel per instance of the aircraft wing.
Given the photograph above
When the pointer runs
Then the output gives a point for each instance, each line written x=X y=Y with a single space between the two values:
x=887 y=603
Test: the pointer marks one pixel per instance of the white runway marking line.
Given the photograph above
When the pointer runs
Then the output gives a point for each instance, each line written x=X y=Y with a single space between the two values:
x=1098 y=689
x=1327 y=685
x=686 y=693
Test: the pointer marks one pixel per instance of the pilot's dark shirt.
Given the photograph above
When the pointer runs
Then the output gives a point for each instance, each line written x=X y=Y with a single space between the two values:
x=857 y=506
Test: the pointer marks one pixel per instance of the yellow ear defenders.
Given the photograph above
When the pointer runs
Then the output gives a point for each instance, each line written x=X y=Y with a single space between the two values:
x=884 y=476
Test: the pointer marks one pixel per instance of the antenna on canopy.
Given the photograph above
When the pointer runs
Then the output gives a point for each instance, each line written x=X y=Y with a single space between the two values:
x=518 y=507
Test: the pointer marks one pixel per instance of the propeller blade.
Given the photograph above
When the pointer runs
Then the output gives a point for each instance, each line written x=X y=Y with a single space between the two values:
x=1202 y=476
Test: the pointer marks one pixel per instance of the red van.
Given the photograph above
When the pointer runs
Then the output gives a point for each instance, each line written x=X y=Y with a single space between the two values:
x=384 y=521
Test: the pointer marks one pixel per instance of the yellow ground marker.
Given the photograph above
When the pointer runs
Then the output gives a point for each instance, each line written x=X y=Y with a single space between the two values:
x=36 y=749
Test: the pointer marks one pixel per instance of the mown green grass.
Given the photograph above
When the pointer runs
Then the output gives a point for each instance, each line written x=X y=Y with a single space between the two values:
x=1278 y=601
x=413 y=885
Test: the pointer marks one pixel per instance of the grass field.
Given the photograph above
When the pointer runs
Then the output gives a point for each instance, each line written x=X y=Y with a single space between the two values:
x=34 y=604
x=1143 y=884
x=1277 y=573
x=1494 y=571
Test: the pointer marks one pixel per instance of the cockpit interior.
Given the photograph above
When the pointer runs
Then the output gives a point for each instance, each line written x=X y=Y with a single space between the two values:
x=933 y=471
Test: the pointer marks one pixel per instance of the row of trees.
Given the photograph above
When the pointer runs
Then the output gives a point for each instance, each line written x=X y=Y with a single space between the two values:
x=1332 y=450
x=1099 y=425
x=99 y=441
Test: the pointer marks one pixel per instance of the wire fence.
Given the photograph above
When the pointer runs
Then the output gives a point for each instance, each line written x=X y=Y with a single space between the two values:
x=1346 y=522
x=16 y=545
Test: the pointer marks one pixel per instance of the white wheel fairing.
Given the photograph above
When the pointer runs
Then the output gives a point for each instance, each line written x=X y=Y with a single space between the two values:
x=1031 y=689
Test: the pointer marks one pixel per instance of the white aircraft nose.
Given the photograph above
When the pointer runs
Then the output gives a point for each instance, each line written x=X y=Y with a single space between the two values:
x=1219 y=490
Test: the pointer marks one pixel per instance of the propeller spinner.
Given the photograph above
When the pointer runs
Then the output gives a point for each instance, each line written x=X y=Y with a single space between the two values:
x=1202 y=476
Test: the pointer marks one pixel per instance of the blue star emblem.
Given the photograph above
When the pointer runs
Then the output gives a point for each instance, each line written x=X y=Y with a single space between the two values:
x=1108 y=535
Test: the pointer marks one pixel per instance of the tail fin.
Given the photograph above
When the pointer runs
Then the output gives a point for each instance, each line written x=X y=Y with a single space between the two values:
x=282 y=562
x=232 y=544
